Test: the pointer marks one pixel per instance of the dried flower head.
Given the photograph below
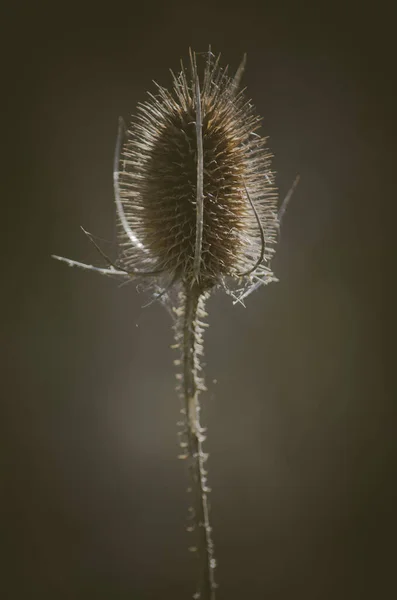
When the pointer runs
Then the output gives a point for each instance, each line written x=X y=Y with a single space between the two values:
x=197 y=209
x=195 y=193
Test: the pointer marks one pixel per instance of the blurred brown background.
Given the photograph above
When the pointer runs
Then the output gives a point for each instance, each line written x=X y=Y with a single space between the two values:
x=300 y=422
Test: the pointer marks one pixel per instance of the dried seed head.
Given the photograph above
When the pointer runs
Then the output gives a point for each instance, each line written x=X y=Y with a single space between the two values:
x=195 y=185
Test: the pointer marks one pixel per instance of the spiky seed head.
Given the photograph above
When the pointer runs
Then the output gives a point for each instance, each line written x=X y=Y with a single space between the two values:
x=160 y=175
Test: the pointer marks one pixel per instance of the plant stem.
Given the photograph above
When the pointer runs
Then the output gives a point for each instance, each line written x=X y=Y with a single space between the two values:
x=192 y=384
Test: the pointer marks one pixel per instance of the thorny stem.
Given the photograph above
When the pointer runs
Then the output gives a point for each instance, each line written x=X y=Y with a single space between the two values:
x=190 y=342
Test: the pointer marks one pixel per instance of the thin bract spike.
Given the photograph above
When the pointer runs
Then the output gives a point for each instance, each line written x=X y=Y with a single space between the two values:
x=207 y=73
x=200 y=185
x=185 y=85
x=76 y=263
x=108 y=260
x=263 y=244
x=119 y=205
x=239 y=74
x=286 y=200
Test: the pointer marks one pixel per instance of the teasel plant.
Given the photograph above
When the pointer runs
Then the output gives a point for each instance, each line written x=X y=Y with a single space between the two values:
x=197 y=211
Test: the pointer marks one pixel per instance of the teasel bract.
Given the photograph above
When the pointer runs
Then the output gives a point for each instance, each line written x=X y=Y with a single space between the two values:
x=197 y=210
